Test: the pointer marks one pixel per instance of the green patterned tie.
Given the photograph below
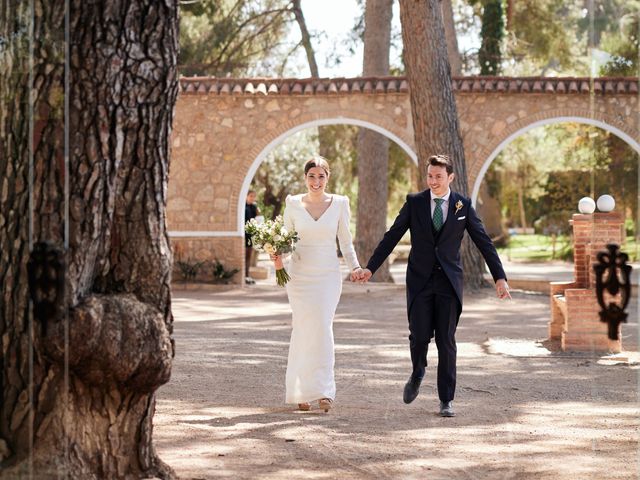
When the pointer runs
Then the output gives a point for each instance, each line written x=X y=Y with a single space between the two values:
x=438 y=219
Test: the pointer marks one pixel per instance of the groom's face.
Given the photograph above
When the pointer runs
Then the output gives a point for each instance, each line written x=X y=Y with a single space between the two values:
x=438 y=179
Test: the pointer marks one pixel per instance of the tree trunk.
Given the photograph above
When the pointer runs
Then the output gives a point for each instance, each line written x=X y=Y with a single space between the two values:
x=434 y=114
x=306 y=38
x=78 y=400
x=373 y=148
x=452 y=39
x=523 y=214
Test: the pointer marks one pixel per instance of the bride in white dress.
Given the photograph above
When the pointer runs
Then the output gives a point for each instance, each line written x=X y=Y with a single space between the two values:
x=315 y=285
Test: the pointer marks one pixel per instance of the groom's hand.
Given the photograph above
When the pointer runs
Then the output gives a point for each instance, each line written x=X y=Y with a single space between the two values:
x=356 y=274
x=366 y=275
x=502 y=289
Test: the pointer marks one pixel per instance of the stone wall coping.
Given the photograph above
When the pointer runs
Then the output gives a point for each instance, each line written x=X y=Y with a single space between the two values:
x=393 y=84
x=597 y=216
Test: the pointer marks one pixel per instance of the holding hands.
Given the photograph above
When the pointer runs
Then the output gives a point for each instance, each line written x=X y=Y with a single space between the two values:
x=361 y=275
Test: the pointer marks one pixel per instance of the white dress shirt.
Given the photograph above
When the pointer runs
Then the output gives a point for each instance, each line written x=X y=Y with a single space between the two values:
x=445 y=205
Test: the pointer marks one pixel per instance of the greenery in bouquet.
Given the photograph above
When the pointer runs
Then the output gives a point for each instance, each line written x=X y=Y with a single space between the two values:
x=273 y=238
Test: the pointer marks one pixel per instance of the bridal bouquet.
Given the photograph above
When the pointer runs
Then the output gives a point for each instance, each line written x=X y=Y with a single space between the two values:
x=273 y=238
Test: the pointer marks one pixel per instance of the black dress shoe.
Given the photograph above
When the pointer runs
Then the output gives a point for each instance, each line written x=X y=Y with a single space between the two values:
x=446 y=409
x=411 y=389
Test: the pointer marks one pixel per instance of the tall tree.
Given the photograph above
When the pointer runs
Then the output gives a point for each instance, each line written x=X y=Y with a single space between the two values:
x=434 y=114
x=296 y=7
x=373 y=148
x=79 y=373
x=491 y=33
x=452 y=39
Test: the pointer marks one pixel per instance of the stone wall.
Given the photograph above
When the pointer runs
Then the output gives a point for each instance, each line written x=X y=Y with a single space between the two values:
x=224 y=128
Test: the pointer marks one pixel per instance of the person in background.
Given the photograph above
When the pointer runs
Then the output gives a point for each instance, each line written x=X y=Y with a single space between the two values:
x=250 y=211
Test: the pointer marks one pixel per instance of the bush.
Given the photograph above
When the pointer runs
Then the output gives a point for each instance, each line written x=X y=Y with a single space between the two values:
x=629 y=227
x=220 y=274
x=189 y=269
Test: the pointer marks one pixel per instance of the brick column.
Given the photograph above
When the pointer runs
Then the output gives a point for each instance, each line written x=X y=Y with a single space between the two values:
x=583 y=330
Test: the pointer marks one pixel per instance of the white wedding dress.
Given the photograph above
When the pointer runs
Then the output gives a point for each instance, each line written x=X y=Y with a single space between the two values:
x=314 y=291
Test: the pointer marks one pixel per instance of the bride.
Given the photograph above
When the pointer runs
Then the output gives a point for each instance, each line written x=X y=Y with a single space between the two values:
x=315 y=285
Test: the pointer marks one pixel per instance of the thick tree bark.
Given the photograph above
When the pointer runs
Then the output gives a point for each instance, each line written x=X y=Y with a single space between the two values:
x=373 y=148
x=434 y=113
x=93 y=420
x=452 y=39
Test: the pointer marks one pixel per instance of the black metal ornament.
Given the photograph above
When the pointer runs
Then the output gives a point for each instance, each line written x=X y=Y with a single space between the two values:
x=613 y=275
x=45 y=271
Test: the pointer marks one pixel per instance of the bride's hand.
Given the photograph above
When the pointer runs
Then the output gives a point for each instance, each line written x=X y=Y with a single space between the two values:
x=356 y=274
x=277 y=261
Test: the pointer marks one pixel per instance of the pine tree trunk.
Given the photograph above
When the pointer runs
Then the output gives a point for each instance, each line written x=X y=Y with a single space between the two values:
x=115 y=309
x=434 y=114
x=373 y=148
x=452 y=39
x=523 y=214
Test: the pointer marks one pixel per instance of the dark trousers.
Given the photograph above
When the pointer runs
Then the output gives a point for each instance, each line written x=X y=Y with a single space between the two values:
x=434 y=312
x=248 y=253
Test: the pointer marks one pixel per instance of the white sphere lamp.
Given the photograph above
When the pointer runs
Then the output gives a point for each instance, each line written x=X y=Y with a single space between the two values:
x=606 y=203
x=586 y=205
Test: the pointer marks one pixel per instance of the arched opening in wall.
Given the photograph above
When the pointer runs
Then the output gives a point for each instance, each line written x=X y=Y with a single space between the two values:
x=530 y=187
x=280 y=173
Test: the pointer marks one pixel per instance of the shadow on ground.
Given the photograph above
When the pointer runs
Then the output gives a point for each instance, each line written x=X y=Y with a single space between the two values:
x=523 y=411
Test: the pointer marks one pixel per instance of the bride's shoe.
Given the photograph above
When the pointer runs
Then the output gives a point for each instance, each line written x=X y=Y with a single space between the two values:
x=304 y=407
x=325 y=404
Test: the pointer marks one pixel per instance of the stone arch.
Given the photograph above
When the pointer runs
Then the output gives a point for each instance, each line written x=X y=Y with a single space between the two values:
x=527 y=124
x=288 y=130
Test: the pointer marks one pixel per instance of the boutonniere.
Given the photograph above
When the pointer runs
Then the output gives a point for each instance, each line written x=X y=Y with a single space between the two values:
x=458 y=206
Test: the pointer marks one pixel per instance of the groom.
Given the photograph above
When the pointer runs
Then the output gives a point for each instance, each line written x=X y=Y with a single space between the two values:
x=437 y=219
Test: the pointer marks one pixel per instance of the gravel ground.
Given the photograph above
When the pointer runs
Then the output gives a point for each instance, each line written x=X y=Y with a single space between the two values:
x=524 y=410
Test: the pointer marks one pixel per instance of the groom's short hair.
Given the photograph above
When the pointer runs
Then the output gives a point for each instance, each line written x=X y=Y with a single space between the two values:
x=441 y=161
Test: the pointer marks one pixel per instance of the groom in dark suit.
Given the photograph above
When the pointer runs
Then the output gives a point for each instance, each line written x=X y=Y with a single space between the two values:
x=437 y=219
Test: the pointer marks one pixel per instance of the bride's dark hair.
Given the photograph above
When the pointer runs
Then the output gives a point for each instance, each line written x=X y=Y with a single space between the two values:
x=317 y=161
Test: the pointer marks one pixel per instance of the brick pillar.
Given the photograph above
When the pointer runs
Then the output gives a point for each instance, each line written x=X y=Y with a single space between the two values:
x=607 y=228
x=582 y=234
x=583 y=330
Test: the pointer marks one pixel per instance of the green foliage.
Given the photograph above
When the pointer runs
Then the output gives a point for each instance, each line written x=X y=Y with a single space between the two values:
x=629 y=227
x=538 y=248
x=339 y=143
x=554 y=223
x=233 y=37
x=282 y=172
x=491 y=33
x=220 y=274
x=623 y=45
x=542 y=37
x=556 y=165
x=189 y=268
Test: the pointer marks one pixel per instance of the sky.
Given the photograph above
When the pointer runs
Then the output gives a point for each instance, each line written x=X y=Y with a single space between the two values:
x=336 y=18
x=333 y=20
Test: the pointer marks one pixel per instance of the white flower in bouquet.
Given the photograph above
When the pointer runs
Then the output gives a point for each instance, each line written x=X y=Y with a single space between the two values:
x=273 y=238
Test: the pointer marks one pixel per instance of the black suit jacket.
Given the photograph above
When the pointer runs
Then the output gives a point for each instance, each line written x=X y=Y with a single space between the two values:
x=427 y=247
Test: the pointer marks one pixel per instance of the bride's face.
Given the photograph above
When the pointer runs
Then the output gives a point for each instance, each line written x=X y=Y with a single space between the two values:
x=316 y=180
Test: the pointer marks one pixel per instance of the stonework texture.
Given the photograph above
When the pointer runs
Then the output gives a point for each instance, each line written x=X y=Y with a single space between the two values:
x=223 y=128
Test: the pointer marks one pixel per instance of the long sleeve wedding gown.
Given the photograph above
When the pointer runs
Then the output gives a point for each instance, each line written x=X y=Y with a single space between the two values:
x=314 y=291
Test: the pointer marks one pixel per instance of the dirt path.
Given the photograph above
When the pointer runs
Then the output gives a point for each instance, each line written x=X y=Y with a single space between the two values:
x=523 y=411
